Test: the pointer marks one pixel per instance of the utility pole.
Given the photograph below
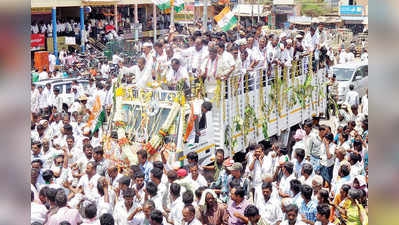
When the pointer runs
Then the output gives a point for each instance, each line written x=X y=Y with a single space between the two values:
x=172 y=16
x=205 y=17
x=136 y=22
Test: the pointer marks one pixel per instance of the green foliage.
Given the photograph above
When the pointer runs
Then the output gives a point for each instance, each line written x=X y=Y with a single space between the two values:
x=314 y=8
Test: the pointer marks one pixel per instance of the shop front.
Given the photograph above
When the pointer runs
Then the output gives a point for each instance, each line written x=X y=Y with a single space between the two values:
x=281 y=10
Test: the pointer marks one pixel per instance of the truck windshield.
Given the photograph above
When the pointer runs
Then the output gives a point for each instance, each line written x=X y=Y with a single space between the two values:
x=343 y=74
x=133 y=117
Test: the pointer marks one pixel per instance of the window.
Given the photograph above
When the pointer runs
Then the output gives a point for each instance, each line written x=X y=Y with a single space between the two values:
x=68 y=88
x=60 y=87
x=365 y=70
x=84 y=84
x=359 y=72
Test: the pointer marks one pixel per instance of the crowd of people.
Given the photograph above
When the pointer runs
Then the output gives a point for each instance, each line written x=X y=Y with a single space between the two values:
x=321 y=179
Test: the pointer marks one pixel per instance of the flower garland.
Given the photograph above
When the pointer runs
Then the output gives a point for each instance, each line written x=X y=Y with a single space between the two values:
x=155 y=142
x=216 y=98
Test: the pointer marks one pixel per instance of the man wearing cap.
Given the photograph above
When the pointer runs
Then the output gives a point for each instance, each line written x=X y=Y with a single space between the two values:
x=148 y=55
x=236 y=174
x=299 y=142
x=287 y=54
x=298 y=46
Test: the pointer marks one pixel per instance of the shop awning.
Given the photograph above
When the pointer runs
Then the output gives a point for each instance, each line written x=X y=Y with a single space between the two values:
x=283 y=2
x=301 y=20
x=353 y=18
x=100 y=2
x=327 y=19
x=246 y=10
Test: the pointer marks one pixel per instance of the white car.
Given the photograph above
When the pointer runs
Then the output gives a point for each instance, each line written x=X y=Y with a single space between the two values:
x=65 y=87
x=355 y=73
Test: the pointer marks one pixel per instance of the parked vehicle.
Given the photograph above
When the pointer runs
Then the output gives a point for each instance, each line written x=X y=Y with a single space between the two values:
x=65 y=87
x=355 y=73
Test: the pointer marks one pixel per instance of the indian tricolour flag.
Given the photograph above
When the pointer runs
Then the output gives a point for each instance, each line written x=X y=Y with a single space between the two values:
x=178 y=5
x=226 y=19
x=162 y=4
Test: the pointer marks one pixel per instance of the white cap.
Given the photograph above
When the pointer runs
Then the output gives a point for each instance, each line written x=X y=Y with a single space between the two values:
x=241 y=41
x=147 y=44
x=283 y=35
x=289 y=41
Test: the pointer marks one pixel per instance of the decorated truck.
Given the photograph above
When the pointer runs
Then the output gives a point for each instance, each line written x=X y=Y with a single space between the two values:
x=248 y=108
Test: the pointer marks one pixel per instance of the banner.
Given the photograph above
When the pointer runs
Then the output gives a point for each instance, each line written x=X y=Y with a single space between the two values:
x=70 y=41
x=37 y=42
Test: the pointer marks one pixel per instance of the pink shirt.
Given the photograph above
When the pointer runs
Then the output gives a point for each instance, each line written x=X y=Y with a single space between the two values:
x=65 y=214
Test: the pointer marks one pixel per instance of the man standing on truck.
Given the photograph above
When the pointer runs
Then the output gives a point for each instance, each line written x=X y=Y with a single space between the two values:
x=177 y=76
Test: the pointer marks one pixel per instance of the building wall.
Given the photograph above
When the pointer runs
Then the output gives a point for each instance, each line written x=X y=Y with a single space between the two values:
x=365 y=4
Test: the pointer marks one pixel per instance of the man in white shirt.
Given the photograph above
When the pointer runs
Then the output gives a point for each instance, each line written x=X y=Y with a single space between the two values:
x=176 y=205
x=125 y=210
x=269 y=208
x=259 y=167
x=195 y=55
x=189 y=216
x=43 y=100
x=56 y=100
x=346 y=56
x=116 y=59
x=352 y=97
x=177 y=74
x=288 y=175
x=196 y=177
x=287 y=54
x=52 y=62
x=311 y=40
x=105 y=70
x=142 y=73
x=254 y=53
x=365 y=103
x=38 y=211
x=148 y=55
x=211 y=70
x=89 y=182
x=306 y=175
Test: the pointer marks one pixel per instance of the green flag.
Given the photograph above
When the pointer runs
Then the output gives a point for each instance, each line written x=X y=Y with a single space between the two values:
x=100 y=121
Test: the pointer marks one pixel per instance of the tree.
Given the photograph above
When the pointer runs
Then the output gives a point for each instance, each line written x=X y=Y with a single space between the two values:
x=314 y=8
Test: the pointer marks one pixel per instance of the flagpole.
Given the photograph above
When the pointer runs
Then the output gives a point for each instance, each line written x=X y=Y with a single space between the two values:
x=172 y=16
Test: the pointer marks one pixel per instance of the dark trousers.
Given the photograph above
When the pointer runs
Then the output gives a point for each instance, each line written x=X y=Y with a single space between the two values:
x=326 y=173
